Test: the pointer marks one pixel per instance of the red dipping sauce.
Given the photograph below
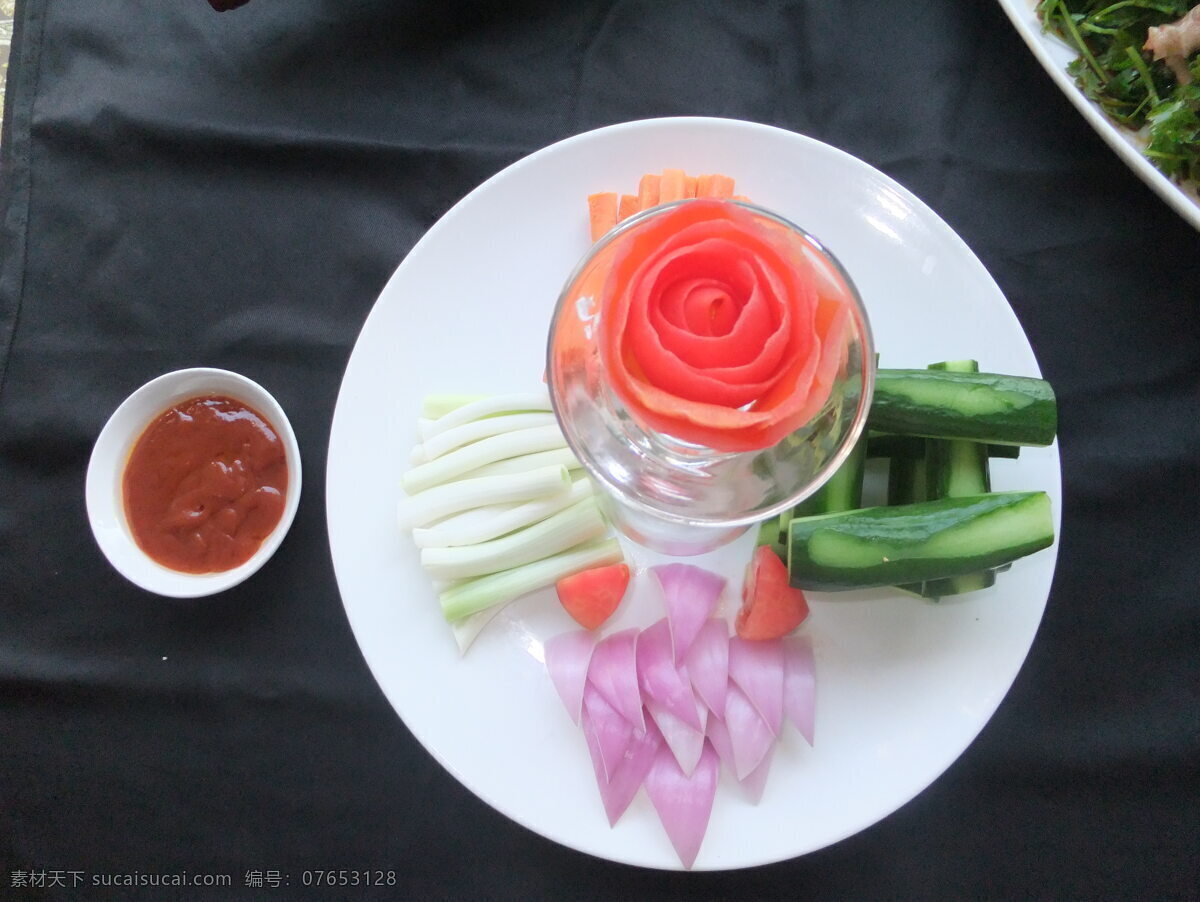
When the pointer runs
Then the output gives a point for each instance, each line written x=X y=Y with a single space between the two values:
x=205 y=484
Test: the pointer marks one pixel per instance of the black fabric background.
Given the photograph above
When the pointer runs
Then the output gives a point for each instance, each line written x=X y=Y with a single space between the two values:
x=182 y=187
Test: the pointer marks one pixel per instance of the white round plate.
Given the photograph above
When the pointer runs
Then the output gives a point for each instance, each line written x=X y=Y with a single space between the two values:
x=903 y=685
x=1055 y=55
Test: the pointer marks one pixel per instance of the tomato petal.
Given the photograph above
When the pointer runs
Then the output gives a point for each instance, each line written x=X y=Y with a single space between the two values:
x=758 y=318
x=708 y=308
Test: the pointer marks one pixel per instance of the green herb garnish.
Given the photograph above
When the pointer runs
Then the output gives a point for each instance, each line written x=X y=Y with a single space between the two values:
x=1125 y=81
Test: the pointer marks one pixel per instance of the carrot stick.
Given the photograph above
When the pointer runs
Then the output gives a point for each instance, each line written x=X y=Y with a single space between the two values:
x=671 y=186
x=689 y=186
x=602 y=212
x=648 y=189
x=715 y=185
x=743 y=198
x=627 y=206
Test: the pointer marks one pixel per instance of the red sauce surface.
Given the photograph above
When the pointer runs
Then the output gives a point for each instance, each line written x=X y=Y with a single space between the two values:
x=205 y=484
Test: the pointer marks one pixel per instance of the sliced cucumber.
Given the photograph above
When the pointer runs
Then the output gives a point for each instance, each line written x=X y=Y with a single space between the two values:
x=955 y=468
x=906 y=485
x=982 y=407
x=906 y=477
x=770 y=534
x=784 y=519
x=885 y=444
x=934 y=589
x=842 y=491
x=884 y=546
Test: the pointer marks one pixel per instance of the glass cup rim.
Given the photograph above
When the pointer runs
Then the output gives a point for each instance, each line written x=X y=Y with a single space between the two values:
x=858 y=425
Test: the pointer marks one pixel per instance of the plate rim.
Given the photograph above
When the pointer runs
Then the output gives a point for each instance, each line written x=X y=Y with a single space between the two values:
x=933 y=218
x=1184 y=201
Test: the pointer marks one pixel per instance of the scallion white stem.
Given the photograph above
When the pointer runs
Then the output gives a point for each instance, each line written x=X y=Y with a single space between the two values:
x=481 y=524
x=436 y=406
x=447 y=440
x=447 y=414
x=483 y=592
x=477 y=454
x=563 y=456
x=443 y=500
x=468 y=629
x=566 y=529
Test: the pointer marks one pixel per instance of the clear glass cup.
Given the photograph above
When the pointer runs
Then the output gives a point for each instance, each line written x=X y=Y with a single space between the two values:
x=675 y=496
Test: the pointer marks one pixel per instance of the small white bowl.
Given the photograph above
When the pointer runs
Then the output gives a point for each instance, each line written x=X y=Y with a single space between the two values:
x=105 y=505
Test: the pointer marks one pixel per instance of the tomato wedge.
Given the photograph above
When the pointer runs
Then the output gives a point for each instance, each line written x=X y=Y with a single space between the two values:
x=770 y=607
x=591 y=596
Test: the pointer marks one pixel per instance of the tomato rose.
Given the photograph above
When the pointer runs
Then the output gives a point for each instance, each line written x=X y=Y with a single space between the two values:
x=715 y=329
